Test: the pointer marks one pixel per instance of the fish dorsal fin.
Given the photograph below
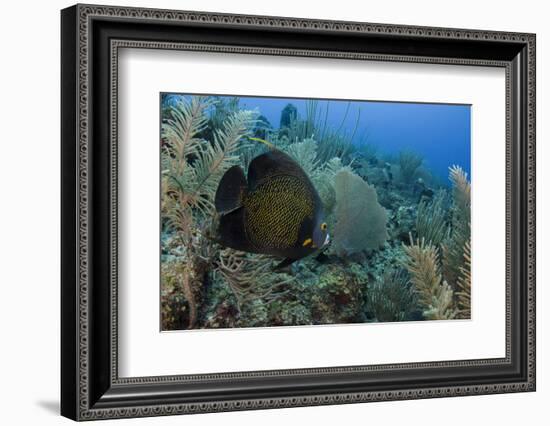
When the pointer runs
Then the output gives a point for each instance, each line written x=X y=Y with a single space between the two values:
x=270 y=164
x=231 y=190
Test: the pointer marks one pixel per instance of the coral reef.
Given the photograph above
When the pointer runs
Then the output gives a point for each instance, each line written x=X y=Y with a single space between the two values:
x=400 y=248
x=191 y=170
x=337 y=298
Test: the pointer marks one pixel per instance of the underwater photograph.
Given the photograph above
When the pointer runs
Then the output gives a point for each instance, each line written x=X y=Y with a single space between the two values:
x=293 y=212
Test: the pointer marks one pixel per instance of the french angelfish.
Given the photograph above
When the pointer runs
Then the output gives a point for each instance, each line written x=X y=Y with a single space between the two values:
x=274 y=210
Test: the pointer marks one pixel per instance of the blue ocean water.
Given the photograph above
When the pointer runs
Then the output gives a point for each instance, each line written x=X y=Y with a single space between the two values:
x=441 y=133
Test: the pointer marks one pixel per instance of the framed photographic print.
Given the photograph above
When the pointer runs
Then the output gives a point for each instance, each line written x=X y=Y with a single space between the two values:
x=263 y=212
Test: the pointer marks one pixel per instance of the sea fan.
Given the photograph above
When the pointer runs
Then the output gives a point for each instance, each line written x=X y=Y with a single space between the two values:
x=360 y=219
x=323 y=181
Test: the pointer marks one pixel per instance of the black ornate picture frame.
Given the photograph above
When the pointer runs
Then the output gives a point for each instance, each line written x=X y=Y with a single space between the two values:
x=90 y=39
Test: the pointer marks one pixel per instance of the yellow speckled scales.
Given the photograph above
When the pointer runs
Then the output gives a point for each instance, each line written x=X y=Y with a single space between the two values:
x=269 y=222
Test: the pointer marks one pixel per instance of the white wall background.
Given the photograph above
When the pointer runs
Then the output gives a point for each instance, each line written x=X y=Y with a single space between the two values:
x=29 y=212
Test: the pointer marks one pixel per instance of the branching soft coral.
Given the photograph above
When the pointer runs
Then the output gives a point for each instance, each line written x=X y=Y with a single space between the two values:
x=431 y=222
x=179 y=304
x=391 y=298
x=409 y=162
x=331 y=142
x=192 y=167
x=251 y=277
x=191 y=170
x=464 y=285
x=305 y=154
x=453 y=247
x=451 y=273
x=179 y=143
x=435 y=296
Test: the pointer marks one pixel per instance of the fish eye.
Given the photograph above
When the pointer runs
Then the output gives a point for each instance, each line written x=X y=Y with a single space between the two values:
x=324 y=226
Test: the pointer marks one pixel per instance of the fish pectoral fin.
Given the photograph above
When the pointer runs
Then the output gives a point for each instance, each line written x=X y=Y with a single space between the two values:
x=307 y=242
x=288 y=261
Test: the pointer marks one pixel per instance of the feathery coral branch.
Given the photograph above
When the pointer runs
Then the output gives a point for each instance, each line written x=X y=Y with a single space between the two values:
x=251 y=277
x=464 y=285
x=391 y=297
x=453 y=247
x=431 y=223
x=434 y=295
